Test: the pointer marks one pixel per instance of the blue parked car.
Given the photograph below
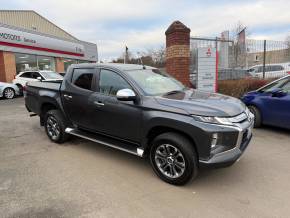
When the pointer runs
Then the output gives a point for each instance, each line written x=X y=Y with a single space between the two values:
x=271 y=103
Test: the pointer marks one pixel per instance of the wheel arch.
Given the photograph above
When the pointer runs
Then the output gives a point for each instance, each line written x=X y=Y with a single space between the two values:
x=19 y=85
x=158 y=130
x=258 y=107
x=45 y=107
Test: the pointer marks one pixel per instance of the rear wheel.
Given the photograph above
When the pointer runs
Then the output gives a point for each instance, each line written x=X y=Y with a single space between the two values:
x=9 y=93
x=258 y=118
x=55 y=125
x=173 y=158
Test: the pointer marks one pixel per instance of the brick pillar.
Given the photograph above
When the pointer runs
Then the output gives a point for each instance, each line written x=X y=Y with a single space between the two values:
x=7 y=66
x=59 y=65
x=178 y=51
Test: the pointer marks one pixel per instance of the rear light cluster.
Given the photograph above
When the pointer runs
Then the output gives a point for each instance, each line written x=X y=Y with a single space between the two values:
x=288 y=72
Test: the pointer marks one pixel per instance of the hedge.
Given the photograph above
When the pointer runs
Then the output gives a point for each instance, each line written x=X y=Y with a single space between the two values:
x=238 y=88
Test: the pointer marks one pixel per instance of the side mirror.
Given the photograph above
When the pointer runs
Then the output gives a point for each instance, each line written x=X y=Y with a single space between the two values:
x=39 y=78
x=278 y=92
x=126 y=95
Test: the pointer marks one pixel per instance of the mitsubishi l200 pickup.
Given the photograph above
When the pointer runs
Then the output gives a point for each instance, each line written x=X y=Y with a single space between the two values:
x=143 y=111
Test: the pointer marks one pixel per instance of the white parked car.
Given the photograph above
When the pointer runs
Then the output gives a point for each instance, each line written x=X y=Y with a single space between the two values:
x=8 y=90
x=23 y=77
x=271 y=70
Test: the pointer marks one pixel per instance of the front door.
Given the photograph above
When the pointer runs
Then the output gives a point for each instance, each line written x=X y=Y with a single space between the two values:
x=116 y=118
x=281 y=107
x=276 y=107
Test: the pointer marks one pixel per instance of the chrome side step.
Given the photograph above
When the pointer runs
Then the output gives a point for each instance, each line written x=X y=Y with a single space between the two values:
x=106 y=141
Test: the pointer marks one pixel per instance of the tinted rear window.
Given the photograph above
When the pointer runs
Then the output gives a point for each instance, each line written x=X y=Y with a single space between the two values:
x=83 y=78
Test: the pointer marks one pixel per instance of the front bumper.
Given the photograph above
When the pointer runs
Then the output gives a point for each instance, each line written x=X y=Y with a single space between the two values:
x=229 y=157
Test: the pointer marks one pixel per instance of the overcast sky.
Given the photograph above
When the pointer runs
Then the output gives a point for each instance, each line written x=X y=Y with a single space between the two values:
x=141 y=25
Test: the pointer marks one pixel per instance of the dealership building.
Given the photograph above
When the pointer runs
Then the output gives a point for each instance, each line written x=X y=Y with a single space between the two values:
x=29 y=41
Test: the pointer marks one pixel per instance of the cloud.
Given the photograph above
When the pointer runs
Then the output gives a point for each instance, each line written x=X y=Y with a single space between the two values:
x=141 y=24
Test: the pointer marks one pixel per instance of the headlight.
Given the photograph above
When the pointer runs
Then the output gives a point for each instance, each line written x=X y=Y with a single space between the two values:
x=214 y=120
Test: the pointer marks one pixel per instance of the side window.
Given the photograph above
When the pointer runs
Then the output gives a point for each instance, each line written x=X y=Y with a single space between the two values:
x=110 y=82
x=26 y=75
x=274 y=85
x=286 y=87
x=260 y=69
x=34 y=75
x=268 y=68
x=274 y=68
x=83 y=78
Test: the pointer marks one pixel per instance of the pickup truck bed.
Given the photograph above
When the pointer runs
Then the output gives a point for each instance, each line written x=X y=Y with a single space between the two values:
x=35 y=91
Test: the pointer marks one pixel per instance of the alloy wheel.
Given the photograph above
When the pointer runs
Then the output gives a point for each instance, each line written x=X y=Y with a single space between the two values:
x=9 y=93
x=170 y=161
x=53 y=128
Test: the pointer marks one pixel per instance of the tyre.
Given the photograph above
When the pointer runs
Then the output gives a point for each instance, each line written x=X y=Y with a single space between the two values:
x=9 y=93
x=55 y=124
x=173 y=158
x=258 y=118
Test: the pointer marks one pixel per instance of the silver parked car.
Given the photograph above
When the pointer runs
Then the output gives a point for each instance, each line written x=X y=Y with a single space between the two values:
x=8 y=90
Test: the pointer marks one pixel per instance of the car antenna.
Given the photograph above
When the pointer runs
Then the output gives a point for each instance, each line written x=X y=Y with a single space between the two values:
x=140 y=58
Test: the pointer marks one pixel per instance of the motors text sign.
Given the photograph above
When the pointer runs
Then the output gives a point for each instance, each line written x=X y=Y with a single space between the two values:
x=26 y=40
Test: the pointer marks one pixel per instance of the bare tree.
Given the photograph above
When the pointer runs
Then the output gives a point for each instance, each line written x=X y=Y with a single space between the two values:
x=158 y=56
x=239 y=26
x=151 y=57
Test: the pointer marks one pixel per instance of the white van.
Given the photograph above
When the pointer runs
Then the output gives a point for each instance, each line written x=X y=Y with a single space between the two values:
x=271 y=70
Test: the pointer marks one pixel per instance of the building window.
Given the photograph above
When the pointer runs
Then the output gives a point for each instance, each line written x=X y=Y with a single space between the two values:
x=45 y=63
x=68 y=62
x=25 y=62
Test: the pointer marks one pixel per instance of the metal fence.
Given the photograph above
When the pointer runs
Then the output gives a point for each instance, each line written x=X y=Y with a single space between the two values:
x=252 y=58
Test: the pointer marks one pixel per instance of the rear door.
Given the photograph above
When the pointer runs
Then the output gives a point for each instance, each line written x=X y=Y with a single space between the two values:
x=76 y=94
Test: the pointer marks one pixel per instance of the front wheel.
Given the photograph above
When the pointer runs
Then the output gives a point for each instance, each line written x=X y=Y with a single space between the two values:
x=173 y=158
x=257 y=116
x=9 y=93
x=55 y=125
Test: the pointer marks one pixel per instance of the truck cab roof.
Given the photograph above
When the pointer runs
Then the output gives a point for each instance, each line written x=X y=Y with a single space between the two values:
x=118 y=66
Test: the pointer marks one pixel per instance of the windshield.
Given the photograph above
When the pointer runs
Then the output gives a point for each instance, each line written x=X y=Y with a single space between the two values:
x=274 y=85
x=155 y=82
x=51 y=75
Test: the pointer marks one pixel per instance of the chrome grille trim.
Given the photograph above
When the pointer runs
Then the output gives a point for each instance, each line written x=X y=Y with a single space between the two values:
x=239 y=118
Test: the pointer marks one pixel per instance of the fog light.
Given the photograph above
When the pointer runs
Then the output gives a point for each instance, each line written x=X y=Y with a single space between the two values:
x=214 y=140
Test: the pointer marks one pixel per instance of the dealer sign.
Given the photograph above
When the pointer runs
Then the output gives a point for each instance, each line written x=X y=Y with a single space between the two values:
x=206 y=69
x=18 y=41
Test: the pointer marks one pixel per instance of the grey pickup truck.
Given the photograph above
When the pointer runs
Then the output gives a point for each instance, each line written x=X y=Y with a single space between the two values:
x=145 y=112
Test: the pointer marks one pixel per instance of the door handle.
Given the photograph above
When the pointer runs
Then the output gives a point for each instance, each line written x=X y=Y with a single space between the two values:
x=99 y=103
x=68 y=97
